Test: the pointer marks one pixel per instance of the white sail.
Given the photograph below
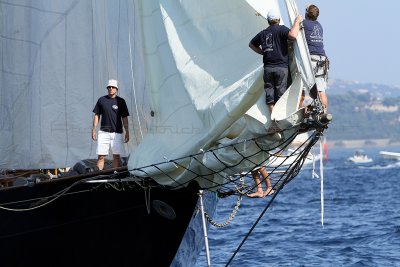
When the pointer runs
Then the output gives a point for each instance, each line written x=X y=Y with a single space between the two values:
x=56 y=58
x=206 y=84
x=186 y=61
x=58 y=55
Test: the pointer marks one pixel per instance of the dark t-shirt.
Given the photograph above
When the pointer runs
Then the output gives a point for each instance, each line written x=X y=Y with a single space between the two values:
x=111 y=110
x=274 y=44
x=314 y=36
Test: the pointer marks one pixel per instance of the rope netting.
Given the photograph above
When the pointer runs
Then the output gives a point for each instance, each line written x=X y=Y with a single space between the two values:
x=282 y=161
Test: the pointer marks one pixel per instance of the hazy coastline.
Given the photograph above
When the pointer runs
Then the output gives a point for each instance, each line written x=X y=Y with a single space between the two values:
x=363 y=143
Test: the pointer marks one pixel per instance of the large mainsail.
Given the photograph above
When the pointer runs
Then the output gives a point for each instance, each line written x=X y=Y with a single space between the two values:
x=56 y=57
x=186 y=62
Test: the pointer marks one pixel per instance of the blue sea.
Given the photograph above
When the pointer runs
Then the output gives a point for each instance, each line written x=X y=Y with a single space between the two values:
x=361 y=219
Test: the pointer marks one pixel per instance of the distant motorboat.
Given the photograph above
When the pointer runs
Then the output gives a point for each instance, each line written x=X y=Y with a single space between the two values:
x=389 y=155
x=360 y=157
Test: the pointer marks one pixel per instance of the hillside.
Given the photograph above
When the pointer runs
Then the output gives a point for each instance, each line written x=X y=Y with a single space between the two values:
x=377 y=90
x=364 y=111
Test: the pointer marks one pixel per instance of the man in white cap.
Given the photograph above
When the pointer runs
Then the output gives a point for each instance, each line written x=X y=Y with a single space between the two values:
x=272 y=44
x=114 y=118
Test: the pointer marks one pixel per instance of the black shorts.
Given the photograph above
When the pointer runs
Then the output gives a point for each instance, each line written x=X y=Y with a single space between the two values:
x=275 y=83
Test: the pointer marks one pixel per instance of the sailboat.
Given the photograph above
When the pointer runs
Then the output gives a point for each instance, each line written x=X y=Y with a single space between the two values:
x=198 y=120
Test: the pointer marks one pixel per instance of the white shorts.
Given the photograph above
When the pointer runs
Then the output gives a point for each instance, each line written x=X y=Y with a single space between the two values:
x=107 y=141
x=321 y=80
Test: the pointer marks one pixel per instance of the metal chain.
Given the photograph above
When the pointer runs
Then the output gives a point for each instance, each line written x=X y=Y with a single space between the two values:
x=230 y=218
x=239 y=189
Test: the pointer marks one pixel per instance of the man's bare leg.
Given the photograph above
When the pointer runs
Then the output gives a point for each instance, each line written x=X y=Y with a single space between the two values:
x=324 y=100
x=267 y=181
x=259 y=192
x=303 y=96
x=100 y=162
x=116 y=161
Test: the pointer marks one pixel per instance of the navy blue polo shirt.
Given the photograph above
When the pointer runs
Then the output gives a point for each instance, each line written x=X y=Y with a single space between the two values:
x=314 y=36
x=111 y=110
x=274 y=44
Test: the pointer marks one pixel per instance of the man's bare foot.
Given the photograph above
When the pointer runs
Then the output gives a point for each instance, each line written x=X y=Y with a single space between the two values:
x=256 y=194
x=269 y=192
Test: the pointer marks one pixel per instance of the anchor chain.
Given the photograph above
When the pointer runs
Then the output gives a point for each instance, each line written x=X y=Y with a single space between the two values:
x=229 y=219
x=239 y=189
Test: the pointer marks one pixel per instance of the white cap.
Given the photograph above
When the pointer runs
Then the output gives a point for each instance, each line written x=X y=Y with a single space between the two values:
x=113 y=83
x=273 y=14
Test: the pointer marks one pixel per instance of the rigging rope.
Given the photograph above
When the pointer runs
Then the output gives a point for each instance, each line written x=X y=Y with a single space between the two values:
x=133 y=78
x=322 y=179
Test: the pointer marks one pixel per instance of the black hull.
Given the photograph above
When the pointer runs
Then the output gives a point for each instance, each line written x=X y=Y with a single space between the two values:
x=93 y=225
